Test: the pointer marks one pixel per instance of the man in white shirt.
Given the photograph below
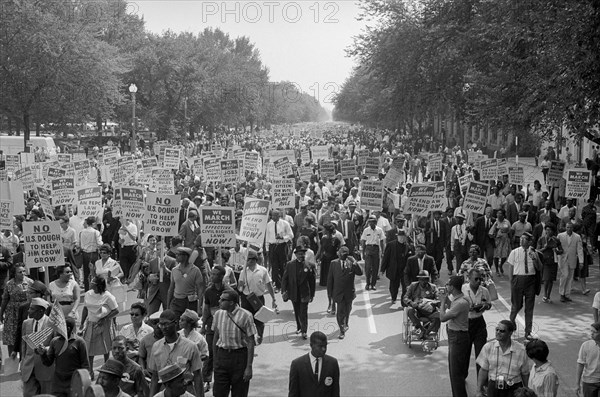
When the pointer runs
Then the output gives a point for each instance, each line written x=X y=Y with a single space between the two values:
x=458 y=239
x=128 y=234
x=278 y=234
x=567 y=262
x=372 y=242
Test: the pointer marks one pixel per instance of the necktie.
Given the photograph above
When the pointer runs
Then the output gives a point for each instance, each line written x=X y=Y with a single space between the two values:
x=35 y=328
x=437 y=228
x=317 y=369
x=460 y=234
x=344 y=229
x=526 y=266
x=487 y=223
x=276 y=230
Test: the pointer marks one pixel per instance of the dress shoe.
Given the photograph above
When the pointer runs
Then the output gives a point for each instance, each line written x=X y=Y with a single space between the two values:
x=304 y=336
x=568 y=299
x=298 y=331
x=373 y=288
x=206 y=387
x=342 y=336
x=563 y=299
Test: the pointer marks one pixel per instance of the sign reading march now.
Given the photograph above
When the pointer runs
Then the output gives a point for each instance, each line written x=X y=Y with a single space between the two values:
x=43 y=244
x=218 y=226
x=476 y=197
x=132 y=203
x=578 y=184
x=254 y=221
x=162 y=214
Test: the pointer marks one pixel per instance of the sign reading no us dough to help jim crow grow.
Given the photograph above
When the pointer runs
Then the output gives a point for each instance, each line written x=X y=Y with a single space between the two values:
x=578 y=184
x=43 y=244
x=162 y=214
x=218 y=226
x=254 y=221
x=476 y=197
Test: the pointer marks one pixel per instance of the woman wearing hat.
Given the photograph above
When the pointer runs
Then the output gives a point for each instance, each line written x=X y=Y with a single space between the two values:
x=15 y=293
x=188 y=323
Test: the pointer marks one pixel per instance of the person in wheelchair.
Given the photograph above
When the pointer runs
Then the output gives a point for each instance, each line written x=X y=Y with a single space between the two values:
x=421 y=301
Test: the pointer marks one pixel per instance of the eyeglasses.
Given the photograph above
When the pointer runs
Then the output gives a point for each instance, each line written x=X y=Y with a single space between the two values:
x=134 y=314
x=500 y=330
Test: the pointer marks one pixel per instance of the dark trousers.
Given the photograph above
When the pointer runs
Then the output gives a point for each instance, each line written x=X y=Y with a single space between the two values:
x=459 y=349
x=487 y=253
x=508 y=391
x=301 y=314
x=449 y=257
x=523 y=288
x=415 y=317
x=277 y=259
x=229 y=366
x=260 y=326
x=127 y=257
x=159 y=299
x=477 y=336
x=178 y=305
x=395 y=284
x=207 y=368
x=438 y=256
x=590 y=389
x=371 y=264
x=89 y=260
x=344 y=307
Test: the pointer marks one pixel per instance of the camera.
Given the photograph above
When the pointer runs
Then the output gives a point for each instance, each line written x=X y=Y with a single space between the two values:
x=500 y=382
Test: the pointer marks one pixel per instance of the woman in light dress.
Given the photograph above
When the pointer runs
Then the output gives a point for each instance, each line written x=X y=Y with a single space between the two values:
x=188 y=323
x=500 y=232
x=66 y=291
x=109 y=269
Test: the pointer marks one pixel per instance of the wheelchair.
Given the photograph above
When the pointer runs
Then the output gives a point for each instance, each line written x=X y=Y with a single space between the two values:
x=413 y=334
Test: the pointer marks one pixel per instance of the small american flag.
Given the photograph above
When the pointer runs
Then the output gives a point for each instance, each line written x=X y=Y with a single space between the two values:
x=59 y=324
x=37 y=338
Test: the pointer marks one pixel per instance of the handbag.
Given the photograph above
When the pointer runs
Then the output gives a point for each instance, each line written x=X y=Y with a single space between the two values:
x=254 y=301
x=493 y=291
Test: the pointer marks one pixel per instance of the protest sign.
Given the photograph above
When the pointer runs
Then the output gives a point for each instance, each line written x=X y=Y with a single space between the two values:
x=212 y=170
x=110 y=152
x=63 y=191
x=55 y=172
x=43 y=244
x=348 y=169
x=116 y=203
x=78 y=154
x=476 y=197
x=372 y=166
x=371 y=195
x=251 y=161
x=277 y=154
x=555 y=173
x=578 y=184
x=327 y=169
x=305 y=173
x=218 y=226
x=230 y=171
x=434 y=163
x=319 y=152
x=25 y=175
x=13 y=191
x=439 y=202
x=395 y=173
x=197 y=165
x=283 y=193
x=82 y=171
x=283 y=166
x=89 y=202
x=145 y=175
x=65 y=158
x=502 y=170
x=6 y=214
x=254 y=221
x=162 y=214
x=463 y=181
x=362 y=156
x=419 y=200
x=516 y=175
x=489 y=169
x=305 y=156
x=45 y=199
x=162 y=181
x=132 y=203
x=172 y=158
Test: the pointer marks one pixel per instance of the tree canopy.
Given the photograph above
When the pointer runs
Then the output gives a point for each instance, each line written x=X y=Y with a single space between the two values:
x=519 y=66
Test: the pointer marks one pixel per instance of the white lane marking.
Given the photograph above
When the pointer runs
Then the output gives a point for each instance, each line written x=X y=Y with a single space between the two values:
x=519 y=317
x=370 y=318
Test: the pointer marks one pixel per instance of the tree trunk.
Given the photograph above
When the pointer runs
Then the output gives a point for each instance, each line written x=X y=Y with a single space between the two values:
x=10 y=122
x=18 y=126
x=27 y=132
x=99 y=124
x=37 y=128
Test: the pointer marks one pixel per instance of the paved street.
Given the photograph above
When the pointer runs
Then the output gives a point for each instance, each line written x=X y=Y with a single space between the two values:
x=373 y=359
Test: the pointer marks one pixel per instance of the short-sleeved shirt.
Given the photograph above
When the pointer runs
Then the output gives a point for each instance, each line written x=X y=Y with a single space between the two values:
x=596 y=303
x=185 y=283
x=496 y=202
x=372 y=236
x=517 y=259
x=211 y=298
x=255 y=280
x=543 y=380
x=512 y=364
x=589 y=357
x=99 y=305
x=230 y=334
x=185 y=353
x=146 y=346
x=132 y=338
x=475 y=298
x=460 y=309
x=199 y=340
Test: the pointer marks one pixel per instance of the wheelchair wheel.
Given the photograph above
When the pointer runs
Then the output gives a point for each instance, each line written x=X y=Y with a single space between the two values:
x=407 y=337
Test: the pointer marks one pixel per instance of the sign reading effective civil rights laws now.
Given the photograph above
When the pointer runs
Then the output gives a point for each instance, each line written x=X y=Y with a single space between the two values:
x=218 y=226
x=63 y=191
x=578 y=183
x=132 y=203
x=43 y=244
x=162 y=214
x=476 y=197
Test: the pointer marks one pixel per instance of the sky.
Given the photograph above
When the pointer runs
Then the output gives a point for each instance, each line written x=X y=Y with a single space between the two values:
x=301 y=41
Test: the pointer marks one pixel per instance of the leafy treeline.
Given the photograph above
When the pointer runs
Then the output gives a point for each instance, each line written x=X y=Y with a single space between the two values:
x=73 y=61
x=516 y=65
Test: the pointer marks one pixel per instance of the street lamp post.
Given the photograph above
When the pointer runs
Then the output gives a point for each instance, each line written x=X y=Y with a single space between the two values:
x=133 y=90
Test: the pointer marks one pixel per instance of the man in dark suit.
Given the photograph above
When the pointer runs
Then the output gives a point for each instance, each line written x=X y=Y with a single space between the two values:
x=394 y=264
x=449 y=221
x=550 y=211
x=392 y=234
x=36 y=377
x=190 y=229
x=298 y=285
x=435 y=234
x=417 y=263
x=315 y=374
x=340 y=286
x=483 y=224
x=348 y=230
